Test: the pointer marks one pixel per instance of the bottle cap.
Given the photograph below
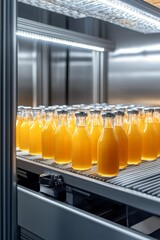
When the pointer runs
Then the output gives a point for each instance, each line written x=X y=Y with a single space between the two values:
x=95 y=111
x=133 y=111
x=108 y=115
x=62 y=111
x=81 y=114
x=119 y=113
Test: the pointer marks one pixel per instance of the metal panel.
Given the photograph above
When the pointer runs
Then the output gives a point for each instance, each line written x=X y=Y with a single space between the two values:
x=80 y=77
x=134 y=71
x=57 y=75
x=55 y=220
x=8 y=215
x=27 y=73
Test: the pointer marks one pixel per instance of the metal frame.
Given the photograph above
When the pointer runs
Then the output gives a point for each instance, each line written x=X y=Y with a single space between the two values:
x=130 y=197
x=8 y=215
x=55 y=32
x=66 y=222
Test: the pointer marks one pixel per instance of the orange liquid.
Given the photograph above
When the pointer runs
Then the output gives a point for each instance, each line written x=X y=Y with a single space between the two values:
x=35 y=138
x=19 y=122
x=94 y=137
x=157 y=130
x=81 y=149
x=88 y=121
x=123 y=146
x=125 y=123
x=24 y=135
x=63 y=145
x=149 y=143
x=72 y=125
x=108 y=159
x=141 y=123
x=134 y=145
x=48 y=138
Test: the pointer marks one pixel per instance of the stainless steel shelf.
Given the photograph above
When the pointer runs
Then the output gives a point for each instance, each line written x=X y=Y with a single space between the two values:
x=136 y=186
x=33 y=28
x=133 y=14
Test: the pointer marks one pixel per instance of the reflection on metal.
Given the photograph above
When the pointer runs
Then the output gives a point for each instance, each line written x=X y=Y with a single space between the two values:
x=134 y=75
x=46 y=33
x=129 y=14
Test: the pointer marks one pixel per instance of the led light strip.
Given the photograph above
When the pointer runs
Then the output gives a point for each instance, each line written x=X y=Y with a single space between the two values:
x=58 y=41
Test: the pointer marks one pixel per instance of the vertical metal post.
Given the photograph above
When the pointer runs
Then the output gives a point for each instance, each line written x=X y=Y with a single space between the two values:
x=8 y=216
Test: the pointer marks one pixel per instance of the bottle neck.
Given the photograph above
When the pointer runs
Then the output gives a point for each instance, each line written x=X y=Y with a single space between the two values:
x=119 y=121
x=108 y=122
x=62 y=120
x=149 y=117
x=133 y=119
x=81 y=121
x=49 y=116
x=95 y=119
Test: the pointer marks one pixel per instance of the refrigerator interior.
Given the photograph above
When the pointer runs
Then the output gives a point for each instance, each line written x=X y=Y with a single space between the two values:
x=50 y=74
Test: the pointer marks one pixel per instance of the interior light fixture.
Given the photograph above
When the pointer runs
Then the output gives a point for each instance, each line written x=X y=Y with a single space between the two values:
x=58 y=41
x=119 y=12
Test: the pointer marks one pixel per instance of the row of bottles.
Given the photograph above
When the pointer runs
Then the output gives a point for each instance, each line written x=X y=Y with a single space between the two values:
x=107 y=135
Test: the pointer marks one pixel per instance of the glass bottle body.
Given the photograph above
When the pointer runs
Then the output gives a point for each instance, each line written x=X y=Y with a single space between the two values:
x=108 y=159
x=63 y=141
x=123 y=142
x=81 y=148
x=48 y=138
x=134 y=141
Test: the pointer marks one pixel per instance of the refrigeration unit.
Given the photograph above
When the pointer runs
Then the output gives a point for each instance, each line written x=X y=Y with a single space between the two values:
x=73 y=52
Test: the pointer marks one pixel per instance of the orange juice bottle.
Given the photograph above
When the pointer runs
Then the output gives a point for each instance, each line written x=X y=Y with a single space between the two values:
x=156 y=121
x=95 y=133
x=43 y=115
x=63 y=139
x=81 y=148
x=149 y=141
x=122 y=139
x=19 y=122
x=126 y=119
x=35 y=133
x=107 y=157
x=134 y=139
x=24 y=130
x=71 y=120
x=48 y=136
x=141 y=119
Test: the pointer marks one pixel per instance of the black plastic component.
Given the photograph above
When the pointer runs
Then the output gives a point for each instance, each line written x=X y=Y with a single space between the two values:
x=52 y=185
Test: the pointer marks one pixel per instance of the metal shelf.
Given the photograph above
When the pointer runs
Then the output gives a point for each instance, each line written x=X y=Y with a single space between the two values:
x=136 y=186
x=59 y=35
x=133 y=14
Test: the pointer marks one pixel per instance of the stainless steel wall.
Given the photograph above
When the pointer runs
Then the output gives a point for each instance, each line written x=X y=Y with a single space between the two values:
x=51 y=74
x=134 y=68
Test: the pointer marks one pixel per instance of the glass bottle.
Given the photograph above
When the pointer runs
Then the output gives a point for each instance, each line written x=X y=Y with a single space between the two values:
x=71 y=120
x=81 y=148
x=24 y=129
x=95 y=133
x=122 y=139
x=48 y=136
x=134 y=139
x=149 y=137
x=156 y=121
x=19 y=121
x=107 y=158
x=35 y=134
x=63 y=139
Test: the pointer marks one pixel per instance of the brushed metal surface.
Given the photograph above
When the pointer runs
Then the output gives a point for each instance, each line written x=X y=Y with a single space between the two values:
x=134 y=73
x=55 y=220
